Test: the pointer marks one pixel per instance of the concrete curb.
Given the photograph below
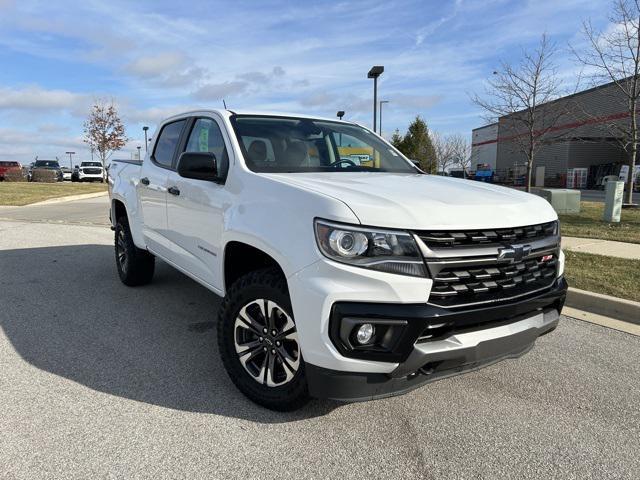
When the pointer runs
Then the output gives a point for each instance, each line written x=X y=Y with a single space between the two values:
x=613 y=307
x=68 y=198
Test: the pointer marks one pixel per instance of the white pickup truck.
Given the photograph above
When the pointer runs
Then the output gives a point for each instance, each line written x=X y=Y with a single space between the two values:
x=346 y=272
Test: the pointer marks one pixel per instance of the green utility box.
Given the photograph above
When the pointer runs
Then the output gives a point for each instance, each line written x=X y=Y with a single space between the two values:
x=614 y=191
x=563 y=200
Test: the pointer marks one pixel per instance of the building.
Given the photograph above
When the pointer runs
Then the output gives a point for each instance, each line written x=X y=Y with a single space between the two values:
x=578 y=142
x=484 y=146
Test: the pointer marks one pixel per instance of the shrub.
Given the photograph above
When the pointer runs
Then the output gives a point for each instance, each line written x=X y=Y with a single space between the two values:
x=14 y=176
x=46 y=176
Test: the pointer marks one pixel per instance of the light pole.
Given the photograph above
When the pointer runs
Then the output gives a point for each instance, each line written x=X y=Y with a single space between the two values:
x=382 y=102
x=374 y=73
x=145 y=128
x=70 y=158
x=138 y=147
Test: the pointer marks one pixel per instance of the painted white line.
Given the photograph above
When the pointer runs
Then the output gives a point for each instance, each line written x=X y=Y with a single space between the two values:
x=603 y=321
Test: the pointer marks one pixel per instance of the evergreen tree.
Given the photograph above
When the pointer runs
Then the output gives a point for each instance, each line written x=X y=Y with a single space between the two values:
x=396 y=140
x=417 y=145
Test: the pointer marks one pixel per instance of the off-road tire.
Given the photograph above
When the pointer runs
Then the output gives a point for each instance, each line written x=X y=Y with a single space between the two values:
x=136 y=267
x=266 y=284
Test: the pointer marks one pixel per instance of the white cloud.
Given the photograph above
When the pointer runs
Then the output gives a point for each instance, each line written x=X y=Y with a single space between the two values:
x=217 y=91
x=37 y=98
x=156 y=65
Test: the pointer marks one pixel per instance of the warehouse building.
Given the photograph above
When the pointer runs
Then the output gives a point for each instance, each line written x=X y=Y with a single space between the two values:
x=484 y=150
x=578 y=144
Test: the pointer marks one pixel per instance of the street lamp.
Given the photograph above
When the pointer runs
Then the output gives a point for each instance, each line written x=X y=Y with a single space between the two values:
x=70 y=158
x=145 y=128
x=374 y=73
x=382 y=102
x=138 y=147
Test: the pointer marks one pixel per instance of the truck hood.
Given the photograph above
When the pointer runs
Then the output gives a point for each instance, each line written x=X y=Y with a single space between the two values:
x=415 y=201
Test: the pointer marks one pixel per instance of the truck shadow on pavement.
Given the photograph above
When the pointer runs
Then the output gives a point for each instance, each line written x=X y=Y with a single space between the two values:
x=68 y=314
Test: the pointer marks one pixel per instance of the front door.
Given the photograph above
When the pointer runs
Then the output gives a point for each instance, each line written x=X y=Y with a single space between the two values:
x=152 y=186
x=195 y=208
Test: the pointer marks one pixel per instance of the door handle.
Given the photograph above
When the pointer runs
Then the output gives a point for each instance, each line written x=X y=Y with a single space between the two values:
x=173 y=191
x=144 y=181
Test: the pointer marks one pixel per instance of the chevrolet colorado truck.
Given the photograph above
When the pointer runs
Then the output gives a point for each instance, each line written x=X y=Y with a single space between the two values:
x=347 y=272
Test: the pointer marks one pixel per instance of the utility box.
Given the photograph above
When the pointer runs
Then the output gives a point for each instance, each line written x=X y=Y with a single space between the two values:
x=614 y=191
x=563 y=200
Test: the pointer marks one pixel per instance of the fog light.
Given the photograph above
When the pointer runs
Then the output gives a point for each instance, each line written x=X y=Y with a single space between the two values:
x=365 y=333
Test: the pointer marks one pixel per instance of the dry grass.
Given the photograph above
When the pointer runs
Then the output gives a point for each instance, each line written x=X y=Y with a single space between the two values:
x=614 y=276
x=26 y=193
x=589 y=224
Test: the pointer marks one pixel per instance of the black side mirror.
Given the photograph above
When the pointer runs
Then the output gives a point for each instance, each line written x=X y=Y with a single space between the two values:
x=198 y=165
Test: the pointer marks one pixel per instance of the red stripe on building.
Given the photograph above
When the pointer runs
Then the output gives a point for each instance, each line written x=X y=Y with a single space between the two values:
x=591 y=121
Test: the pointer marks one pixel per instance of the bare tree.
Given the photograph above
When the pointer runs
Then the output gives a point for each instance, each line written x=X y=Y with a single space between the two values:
x=104 y=131
x=450 y=150
x=614 y=57
x=443 y=151
x=519 y=95
x=461 y=151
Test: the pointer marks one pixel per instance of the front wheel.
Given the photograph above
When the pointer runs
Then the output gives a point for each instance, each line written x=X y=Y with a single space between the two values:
x=135 y=266
x=258 y=341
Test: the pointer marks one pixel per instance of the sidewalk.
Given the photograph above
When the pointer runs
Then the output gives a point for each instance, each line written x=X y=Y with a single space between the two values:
x=602 y=247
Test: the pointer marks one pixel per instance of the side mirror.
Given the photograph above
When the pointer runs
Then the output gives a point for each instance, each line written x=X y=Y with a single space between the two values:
x=198 y=165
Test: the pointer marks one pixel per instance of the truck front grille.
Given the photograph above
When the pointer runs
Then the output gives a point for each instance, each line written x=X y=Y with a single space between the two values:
x=490 y=266
x=92 y=171
x=458 y=286
x=459 y=238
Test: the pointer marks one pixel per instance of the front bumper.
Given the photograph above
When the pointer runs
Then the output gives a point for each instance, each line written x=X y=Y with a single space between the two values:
x=90 y=176
x=465 y=340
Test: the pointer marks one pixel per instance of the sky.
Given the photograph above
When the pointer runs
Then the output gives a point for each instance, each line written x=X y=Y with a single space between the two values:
x=158 y=58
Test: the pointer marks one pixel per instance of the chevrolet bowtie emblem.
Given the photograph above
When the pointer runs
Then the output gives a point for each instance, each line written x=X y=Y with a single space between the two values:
x=513 y=253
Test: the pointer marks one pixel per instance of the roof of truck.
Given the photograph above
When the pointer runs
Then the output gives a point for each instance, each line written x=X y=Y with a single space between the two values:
x=229 y=112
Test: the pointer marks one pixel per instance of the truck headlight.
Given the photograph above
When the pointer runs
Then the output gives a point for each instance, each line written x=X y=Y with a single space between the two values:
x=391 y=251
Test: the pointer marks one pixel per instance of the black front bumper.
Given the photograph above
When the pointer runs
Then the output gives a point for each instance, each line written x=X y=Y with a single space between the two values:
x=419 y=361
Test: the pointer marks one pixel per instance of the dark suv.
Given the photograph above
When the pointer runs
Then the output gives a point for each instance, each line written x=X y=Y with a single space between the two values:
x=45 y=165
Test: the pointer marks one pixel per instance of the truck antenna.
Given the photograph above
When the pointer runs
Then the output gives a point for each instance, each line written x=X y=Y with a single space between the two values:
x=224 y=103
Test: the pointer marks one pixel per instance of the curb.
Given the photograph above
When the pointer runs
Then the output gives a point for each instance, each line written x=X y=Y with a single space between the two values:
x=69 y=198
x=613 y=307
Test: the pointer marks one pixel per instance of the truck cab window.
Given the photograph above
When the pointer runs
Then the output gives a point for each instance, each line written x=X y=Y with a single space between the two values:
x=167 y=143
x=206 y=137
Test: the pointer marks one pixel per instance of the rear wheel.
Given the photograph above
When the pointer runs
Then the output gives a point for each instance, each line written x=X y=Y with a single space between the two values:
x=135 y=266
x=258 y=342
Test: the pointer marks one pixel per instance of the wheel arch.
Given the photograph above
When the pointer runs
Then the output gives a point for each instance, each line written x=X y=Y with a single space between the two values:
x=241 y=258
x=120 y=207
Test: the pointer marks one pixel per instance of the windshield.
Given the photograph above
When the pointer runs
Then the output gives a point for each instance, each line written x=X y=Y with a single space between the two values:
x=47 y=163
x=91 y=164
x=292 y=145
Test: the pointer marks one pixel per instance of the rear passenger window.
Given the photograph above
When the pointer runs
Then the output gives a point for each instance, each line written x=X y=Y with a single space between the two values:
x=167 y=143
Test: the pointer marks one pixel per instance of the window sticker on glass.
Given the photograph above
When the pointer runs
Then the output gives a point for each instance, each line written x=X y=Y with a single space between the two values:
x=203 y=140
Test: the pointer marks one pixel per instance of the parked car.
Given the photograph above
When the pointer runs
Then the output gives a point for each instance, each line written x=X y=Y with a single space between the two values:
x=45 y=165
x=8 y=167
x=66 y=173
x=88 y=172
x=339 y=280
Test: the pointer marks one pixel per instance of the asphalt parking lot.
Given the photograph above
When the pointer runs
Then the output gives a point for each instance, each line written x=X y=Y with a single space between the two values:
x=100 y=380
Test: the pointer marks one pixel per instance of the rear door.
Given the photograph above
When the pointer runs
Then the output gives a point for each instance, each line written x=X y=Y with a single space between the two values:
x=195 y=208
x=152 y=187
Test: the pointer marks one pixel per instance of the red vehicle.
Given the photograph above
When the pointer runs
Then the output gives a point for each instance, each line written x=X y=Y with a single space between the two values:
x=6 y=166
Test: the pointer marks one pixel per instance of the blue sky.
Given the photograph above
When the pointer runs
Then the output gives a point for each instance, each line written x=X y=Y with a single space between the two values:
x=161 y=57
